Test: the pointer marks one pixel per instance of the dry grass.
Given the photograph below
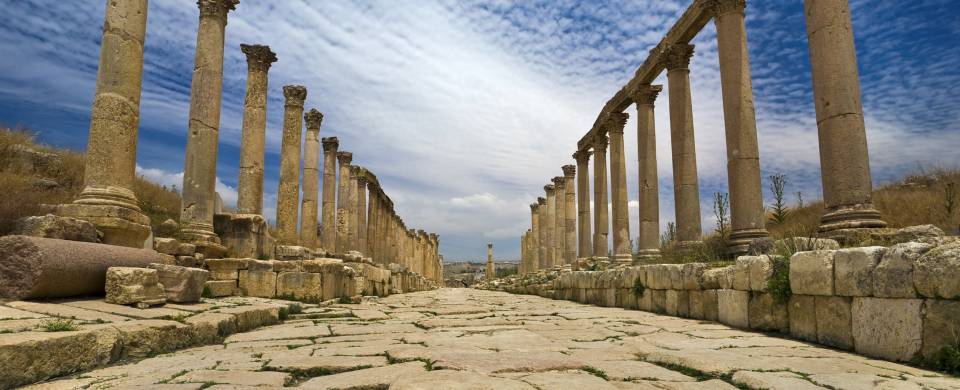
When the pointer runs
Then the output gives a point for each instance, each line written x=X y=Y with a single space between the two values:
x=51 y=176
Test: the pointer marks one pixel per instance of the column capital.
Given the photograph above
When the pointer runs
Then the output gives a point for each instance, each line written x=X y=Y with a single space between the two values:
x=569 y=170
x=677 y=56
x=313 y=119
x=549 y=188
x=295 y=95
x=259 y=57
x=646 y=94
x=216 y=8
x=354 y=171
x=616 y=121
x=722 y=7
x=344 y=158
x=330 y=144
x=362 y=177
x=373 y=188
x=541 y=200
x=582 y=156
x=600 y=142
x=534 y=207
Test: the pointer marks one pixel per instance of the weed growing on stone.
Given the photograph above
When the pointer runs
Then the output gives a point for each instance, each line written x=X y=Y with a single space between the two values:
x=283 y=313
x=779 y=284
x=59 y=325
x=638 y=288
x=295 y=309
x=206 y=292
x=596 y=372
x=947 y=359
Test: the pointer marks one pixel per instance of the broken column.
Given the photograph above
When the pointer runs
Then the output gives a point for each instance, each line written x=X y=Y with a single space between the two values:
x=288 y=193
x=622 y=247
x=686 y=189
x=328 y=236
x=601 y=224
x=206 y=92
x=844 y=160
x=584 y=229
x=560 y=220
x=649 y=228
x=311 y=179
x=107 y=199
x=250 y=184
x=343 y=204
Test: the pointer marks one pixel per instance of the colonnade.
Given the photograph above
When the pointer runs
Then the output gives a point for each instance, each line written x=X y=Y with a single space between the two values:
x=847 y=185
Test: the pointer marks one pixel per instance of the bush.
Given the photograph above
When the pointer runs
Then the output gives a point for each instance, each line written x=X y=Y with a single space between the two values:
x=779 y=285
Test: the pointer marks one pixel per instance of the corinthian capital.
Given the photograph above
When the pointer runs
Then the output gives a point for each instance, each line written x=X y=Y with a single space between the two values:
x=582 y=156
x=677 y=56
x=216 y=8
x=295 y=94
x=558 y=182
x=600 y=142
x=549 y=188
x=722 y=7
x=541 y=200
x=616 y=121
x=646 y=94
x=313 y=119
x=569 y=170
x=534 y=207
x=330 y=144
x=259 y=57
x=345 y=158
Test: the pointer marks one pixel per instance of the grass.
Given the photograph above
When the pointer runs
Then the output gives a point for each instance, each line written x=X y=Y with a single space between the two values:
x=59 y=325
x=947 y=360
x=779 y=285
x=638 y=288
x=596 y=372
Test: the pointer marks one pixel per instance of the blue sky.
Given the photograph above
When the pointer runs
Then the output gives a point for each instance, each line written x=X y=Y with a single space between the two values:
x=464 y=109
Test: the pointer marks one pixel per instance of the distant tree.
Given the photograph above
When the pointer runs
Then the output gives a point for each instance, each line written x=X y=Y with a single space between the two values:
x=721 y=210
x=779 y=211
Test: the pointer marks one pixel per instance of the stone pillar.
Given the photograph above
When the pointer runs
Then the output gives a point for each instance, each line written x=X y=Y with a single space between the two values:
x=542 y=253
x=601 y=224
x=551 y=226
x=649 y=228
x=560 y=221
x=370 y=236
x=622 y=246
x=435 y=258
x=343 y=203
x=362 y=211
x=570 y=215
x=535 y=235
x=352 y=203
x=288 y=194
x=206 y=90
x=250 y=184
x=584 y=230
x=107 y=199
x=491 y=272
x=686 y=189
x=844 y=160
x=311 y=178
x=328 y=236
x=743 y=154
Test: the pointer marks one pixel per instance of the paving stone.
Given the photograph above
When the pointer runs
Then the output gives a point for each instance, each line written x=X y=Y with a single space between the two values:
x=151 y=313
x=236 y=377
x=323 y=364
x=623 y=370
x=9 y=313
x=66 y=311
x=571 y=380
x=453 y=380
x=377 y=377
x=773 y=380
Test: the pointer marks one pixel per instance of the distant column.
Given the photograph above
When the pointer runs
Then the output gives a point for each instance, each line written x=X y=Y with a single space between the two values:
x=584 y=230
x=311 y=178
x=362 y=211
x=328 y=237
x=542 y=253
x=560 y=222
x=844 y=160
x=490 y=271
x=288 y=193
x=551 y=226
x=601 y=224
x=107 y=199
x=354 y=213
x=622 y=247
x=250 y=184
x=206 y=91
x=686 y=189
x=343 y=203
x=649 y=228
x=570 y=215
x=371 y=235
x=534 y=238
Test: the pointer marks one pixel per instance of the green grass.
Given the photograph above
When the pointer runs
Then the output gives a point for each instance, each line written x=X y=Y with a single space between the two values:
x=947 y=359
x=596 y=372
x=59 y=325
x=779 y=285
x=638 y=288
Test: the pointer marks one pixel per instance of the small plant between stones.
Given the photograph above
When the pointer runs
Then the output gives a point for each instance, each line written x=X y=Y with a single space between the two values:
x=596 y=372
x=638 y=288
x=779 y=285
x=947 y=359
x=59 y=325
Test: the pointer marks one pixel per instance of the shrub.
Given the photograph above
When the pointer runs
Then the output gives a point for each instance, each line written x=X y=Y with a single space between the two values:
x=779 y=285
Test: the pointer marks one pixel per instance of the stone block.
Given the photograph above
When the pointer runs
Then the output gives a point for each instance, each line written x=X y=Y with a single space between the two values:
x=725 y=277
x=260 y=265
x=893 y=276
x=733 y=308
x=168 y=246
x=181 y=284
x=710 y=279
x=936 y=274
x=678 y=303
x=57 y=227
x=244 y=235
x=631 y=275
x=285 y=265
x=761 y=270
x=676 y=276
x=917 y=233
x=711 y=305
x=691 y=274
x=220 y=288
x=804 y=244
x=317 y=265
x=766 y=314
x=802 y=310
x=741 y=273
x=696 y=304
x=887 y=328
x=853 y=269
x=258 y=283
x=811 y=273
x=834 y=322
x=645 y=301
x=941 y=325
x=658 y=301
x=186 y=261
x=134 y=286
x=299 y=286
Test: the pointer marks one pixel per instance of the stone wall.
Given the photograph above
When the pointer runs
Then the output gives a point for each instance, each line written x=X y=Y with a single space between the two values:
x=900 y=303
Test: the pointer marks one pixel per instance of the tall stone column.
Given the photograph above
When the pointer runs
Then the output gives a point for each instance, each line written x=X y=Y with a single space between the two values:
x=551 y=226
x=343 y=203
x=601 y=223
x=844 y=160
x=354 y=213
x=250 y=184
x=570 y=215
x=371 y=235
x=622 y=247
x=560 y=222
x=288 y=194
x=649 y=228
x=362 y=211
x=542 y=253
x=311 y=178
x=686 y=189
x=584 y=230
x=743 y=153
x=328 y=236
x=107 y=199
x=490 y=271
x=206 y=90
x=534 y=237
x=435 y=258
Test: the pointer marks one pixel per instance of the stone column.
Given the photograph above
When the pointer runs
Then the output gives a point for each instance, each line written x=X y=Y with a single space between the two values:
x=107 y=199
x=601 y=224
x=354 y=213
x=490 y=271
x=686 y=189
x=551 y=226
x=844 y=160
x=328 y=236
x=343 y=203
x=206 y=90
x=362 y=211
x=288 y=194
x=743 y=154
x=311 y=178
x=560 y=222
x=535 y=235
x=542 y=253
x=570 y=215
x=649 y=228
x=584 y=230
x=622 y=247
x=371 y=231
x=435 y=257
x=250 y=184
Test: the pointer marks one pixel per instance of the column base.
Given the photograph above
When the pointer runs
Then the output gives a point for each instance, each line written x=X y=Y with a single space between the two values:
x=623 y=258
x=120 y=226
x=647 y=256
x=689 y=245
x=739 y=241
x=862 y=216
x=203 y=237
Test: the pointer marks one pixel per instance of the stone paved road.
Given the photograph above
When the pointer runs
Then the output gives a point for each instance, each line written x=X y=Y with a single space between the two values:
x=459 y=339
